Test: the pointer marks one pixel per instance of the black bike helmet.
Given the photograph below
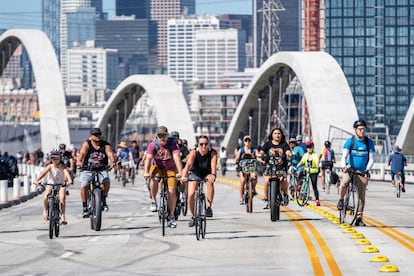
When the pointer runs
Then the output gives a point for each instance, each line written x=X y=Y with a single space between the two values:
x=327 y=144
x=55 y=153
x=358 y=123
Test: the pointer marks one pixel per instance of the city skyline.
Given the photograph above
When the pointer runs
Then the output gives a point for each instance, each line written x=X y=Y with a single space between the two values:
x=13 y=11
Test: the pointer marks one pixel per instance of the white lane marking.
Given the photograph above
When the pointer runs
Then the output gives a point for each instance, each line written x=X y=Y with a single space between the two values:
x=66 y=255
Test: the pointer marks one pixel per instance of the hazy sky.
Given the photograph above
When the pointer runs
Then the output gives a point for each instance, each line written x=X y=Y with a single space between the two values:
x=27 y=13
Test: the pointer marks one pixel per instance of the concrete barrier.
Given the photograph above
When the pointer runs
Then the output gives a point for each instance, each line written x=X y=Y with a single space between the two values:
x=4 y=194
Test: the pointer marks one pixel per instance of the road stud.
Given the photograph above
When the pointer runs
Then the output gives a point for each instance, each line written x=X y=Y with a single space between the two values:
x=363 y=242
x=389 y=268
x=357 y=236
x=344 y=225
x=380 y=259
x=349 y=230
x=370 y=249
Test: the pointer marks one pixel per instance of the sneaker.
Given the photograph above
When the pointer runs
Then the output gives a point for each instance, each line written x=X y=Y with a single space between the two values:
x=209 y=212
x=171 y=222
x=285 y=200
x=191 y=222
x=318 y=203
x=340 y=205
x=403 y=189
x=265 y=204
x=153 y=207
x=85 y=212
x=241 y=202
x=393 y=183
x=359 y=222
x=105 y=207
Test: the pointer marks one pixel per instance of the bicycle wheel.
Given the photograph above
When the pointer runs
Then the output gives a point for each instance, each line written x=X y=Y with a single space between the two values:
x=50 y=213
x=249 y=201
x=184 y=203
x=57 y=217
x=398 y=185
x=132 y=175
x=96 y=214
x=163 y=211
x=302 y=196
x=177 y=210
x=200 y=216
x=328 y=181
x=274 y=200
x=292 y=187
x=203 y=222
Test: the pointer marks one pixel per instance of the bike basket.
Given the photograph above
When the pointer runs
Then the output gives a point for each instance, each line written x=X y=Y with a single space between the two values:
x=248 y=165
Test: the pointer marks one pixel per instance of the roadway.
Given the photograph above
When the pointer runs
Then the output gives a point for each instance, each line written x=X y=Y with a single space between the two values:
x=306 y=241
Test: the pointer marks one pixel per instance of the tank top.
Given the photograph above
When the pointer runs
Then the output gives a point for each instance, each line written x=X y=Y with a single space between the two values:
x=202 y=164
x=56 y=175
x=96 y=159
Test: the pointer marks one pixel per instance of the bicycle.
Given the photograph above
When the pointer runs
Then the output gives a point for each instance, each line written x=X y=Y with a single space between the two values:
x=398 y=184
x=351 y=199
x=275 y=196
x=200 y=211
x=54 y=212
x=183 y=201
x=248 y=166
x=95 y=201
x=303 y=190
x=293 y=181
x=163 y=210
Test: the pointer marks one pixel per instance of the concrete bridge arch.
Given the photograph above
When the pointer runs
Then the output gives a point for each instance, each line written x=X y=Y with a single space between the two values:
x=54 y=126
x=329 y=98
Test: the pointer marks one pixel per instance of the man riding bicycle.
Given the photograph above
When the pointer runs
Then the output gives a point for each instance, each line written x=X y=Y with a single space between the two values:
x=327 y=158
x=123 y=154
x=163 y=159
x=358 y=155
x=397 y=161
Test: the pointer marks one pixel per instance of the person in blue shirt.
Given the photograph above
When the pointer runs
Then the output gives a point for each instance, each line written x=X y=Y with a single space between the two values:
x=358 y=154
x=397 y=161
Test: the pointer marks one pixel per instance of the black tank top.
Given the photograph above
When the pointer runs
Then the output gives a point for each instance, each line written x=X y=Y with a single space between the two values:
x=96 y=159
x=202 y=164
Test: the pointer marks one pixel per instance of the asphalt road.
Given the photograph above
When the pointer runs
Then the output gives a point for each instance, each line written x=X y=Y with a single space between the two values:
x=306 y=241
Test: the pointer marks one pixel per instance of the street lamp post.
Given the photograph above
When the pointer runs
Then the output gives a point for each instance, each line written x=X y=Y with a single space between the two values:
x=259 y=117
x=250 y=122
x=109 y=133
x=117 y=126
x=270 y=104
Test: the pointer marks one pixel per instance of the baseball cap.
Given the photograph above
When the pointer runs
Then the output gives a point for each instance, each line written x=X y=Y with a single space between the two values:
x=247 y=137
x=96 y=131
x=162 y=130
x=299 y=138
x=309 y=143
x=292 y=140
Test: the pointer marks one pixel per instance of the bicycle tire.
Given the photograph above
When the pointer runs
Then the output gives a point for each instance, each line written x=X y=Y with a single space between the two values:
x=292 y=186
x=203 y=217
x=50 y=214
x=302 y=196
x=249 y=203
x=177 y=210
x=274 y=199
x=57 y=217
x=197 y=216
x=163 y=210
x=132 y=175
x=328 y=181
x=96 y=215
x=398 y=185
x=184 y=205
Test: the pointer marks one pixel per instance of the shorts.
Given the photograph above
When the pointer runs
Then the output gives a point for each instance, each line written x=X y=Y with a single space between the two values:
x=86 y=177
x=125 y=163
x=326 y=165
x=156 y=171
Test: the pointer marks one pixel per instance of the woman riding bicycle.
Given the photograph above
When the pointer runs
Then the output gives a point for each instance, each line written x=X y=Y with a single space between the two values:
x=244 y=153
x=201 y=164
x=56 y=173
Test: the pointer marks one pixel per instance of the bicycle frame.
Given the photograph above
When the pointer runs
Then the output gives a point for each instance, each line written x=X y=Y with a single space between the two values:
x=95 y=203
x=200 y=211
x=54 y=210
x=163 y=210
x=248 y=166
x=303 y=191
x=349 y=212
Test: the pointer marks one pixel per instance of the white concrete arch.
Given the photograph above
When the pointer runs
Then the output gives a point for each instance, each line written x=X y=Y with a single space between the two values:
x=405 y=138
x=54 y=126
x=329 y=98
x=170 y=106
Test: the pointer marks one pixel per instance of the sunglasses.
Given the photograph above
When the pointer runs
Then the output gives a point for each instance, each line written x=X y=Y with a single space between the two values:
x=162 y=135
x=361 y=128
x=203 y=144
x=247 y=140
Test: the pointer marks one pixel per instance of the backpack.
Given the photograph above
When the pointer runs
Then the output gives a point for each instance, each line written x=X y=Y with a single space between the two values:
x=253 y=150
x=170 y=143
x=366 y=145
x=4 y=168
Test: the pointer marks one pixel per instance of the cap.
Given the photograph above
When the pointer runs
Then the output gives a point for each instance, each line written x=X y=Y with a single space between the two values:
x=299 y=138
x=292 y=140
x=175 y=134
x=122 y=144
x=309 y=143
x=162 y=130
x=396 y=148
x=62 y=146
x=96 y=131
x=247 y=137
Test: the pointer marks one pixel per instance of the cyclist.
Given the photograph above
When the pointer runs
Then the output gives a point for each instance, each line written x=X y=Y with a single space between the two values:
x=297 y=151
x=275 y=146
x=56 y=173
x=123 y=154
x=95 y=154
x=300 y=143
x=246 y=152
x=327 y=158
x=223 y=161
x=358 y=154
x=135 y=155
x=201 y=164
x=397 y=161
x=68 y=160
x=165 y=155
x=310 y=160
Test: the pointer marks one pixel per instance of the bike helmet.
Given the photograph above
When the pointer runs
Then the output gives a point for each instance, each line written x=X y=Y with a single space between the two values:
x=327 y=144
x=358 y=123
x=54 y=153
x=309 y=144
x=175 y=134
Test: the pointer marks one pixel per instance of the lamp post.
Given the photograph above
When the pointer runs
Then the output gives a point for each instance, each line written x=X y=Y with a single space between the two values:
x=270 y=104
x=109 y=133
x=259 y=117
x=117 y=127
x=250 y=122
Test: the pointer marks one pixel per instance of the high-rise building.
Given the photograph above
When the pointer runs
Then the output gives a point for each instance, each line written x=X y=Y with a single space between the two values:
x=216 y=52
x=135 y=40
x=139 y=8
x=161 y=12
x=91 y=68
x=51 y=22
x=373 y=43
x=181 y=44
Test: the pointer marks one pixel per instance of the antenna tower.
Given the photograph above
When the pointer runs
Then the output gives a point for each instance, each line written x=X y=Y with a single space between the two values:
x=270 y=39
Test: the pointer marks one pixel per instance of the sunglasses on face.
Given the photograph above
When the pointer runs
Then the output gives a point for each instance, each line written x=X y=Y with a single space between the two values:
x=247 y=140
x=161 y=136
x=203 y=144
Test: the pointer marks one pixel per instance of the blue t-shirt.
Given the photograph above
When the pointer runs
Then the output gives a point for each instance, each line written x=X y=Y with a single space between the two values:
x=397 y=161
x=297 y=153
x=359 y=155
x=123 y=154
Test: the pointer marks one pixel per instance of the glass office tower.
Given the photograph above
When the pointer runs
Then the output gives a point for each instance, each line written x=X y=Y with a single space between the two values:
x=373 y=41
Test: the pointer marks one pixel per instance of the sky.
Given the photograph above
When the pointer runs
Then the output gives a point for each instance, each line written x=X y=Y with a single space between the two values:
x=27 y=13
